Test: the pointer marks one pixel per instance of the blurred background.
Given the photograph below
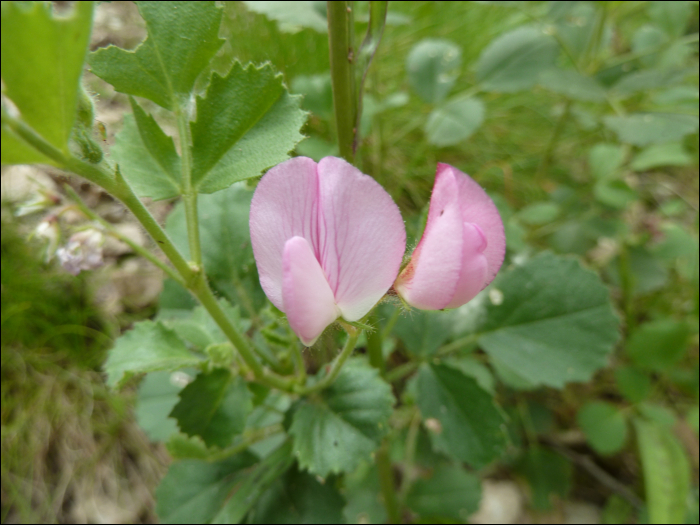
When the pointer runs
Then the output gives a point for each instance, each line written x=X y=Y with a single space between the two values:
x=589 y=146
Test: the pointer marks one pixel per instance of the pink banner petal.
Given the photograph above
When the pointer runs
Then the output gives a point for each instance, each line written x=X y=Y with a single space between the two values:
x=474 y=266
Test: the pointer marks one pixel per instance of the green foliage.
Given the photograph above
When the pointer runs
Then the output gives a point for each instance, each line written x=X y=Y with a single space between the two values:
x=657 y=345
x=472 y=432
x=182 y=38
x=604 y=425
x=147 y=347
x=433 y=68
x=423 y=332
x=454 y=121
x=214 y=407
x=642 y=129
x=157 y=396
x=293 y=16
x=514 y=60
x=344 y=425
x=245 y=123
x=572 y=84
x=42 y=80
x=450 y=493
x=147 y=156
x=555 y=323
x=633 y=384
x=206 y=490
x=548 y=474
x=667 y=472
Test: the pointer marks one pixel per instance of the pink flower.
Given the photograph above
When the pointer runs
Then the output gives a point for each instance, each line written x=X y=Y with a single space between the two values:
x=328 y=242
x=462 y=247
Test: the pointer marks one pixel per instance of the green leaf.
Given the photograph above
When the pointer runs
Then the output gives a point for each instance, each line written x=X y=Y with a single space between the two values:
x=423 y=332
x=604 y=160
x=676 y=242
x=246 y=122
x=539 y=213
x=147 y=347
x=255 y=484
x=193 y=491
x=146 y=156
x=614 y=193
x=647 y=80
x=454 y=121
x=199 y=328
x=671 y=16
x=182 y=39
x=42 y=62
x=474 y=369
x=292 y=17
x=299 y=498
x=657 y=155
x=555 y=323
x=667 y=472
x=344 y=425
x=513 y=61
x=642 y=129
x=658 y=345
x=181 y=446
x=693 y=418
x=548 y=474
x=361 y=489
x=572 y=84
x=318 y=94
x=578 y=27
x=214 y=407
x=450 y=492
x=433 y=68
x=604 y=425
x=156 y=398
x=659 y=414
x=633 y=384
x=472 y=428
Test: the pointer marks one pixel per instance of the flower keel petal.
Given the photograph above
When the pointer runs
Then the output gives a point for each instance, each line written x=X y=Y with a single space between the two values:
x=307 y=298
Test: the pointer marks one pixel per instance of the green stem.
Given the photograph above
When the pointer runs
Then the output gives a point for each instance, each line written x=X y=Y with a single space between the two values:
x=374 y=346
x=299 y=362
x=627 y=286
x=409 y=473
x=189 y=194
x=543 y=168
x=109 y=228
x=337 y=365
x=401 y=371
x=340 y=41
x=389 y=326
x=386 y=482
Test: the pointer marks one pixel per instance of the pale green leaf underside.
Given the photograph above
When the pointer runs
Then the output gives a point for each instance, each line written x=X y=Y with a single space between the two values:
x=335 y=433
x=147 y=347
x=472 y=427
x=156 y=398
x=42 y=80
x=555 y=324
x=642 y=129
x=454 y=122
x=247 y=122
x=182 y=39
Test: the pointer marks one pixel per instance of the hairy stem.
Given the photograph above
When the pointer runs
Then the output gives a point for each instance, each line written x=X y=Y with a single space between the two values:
x=340 y=41
x=189 y=194
x=337 y=365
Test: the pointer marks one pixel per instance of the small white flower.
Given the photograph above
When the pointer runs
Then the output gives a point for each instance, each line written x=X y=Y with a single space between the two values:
x=82 y=252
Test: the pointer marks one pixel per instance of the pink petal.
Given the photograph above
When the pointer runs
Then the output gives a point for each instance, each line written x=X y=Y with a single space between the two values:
x=472 y=278
x=361 y=238
x=285 y=204
x=307 y=298
x=430 y=280
x=478 y=208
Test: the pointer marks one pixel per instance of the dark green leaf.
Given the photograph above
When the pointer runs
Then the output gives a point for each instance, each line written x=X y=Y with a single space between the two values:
x=450 y=492
x=604 y=425
x=246 y=122
x=42 y=62
x=513 y=61
x=344 y=425
x=671 y=16
x=572 y=84
x=548 y=474
x=667 y=472
x=454 y=121
x=642 y=129
x=471 y=428
x=182 y=39
x=657 y=155
x=293 y=16
x=555 y=323
x=361 y=489
x=614 y=193
x=604 y=160
x=193 y=491
x=147 y=347
x=474 y=369
x=156 y=398
x=658 y=345
x=255 y=484
x=433 y=68
x=299 y=498
x=147 y=156
x=633 y=384
x=423 y=332
x=214 y=407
